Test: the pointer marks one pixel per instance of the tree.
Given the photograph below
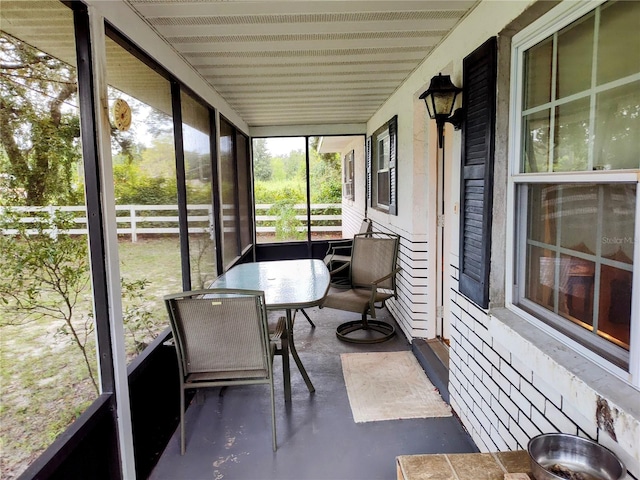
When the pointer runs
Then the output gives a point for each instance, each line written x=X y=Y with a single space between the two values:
x=261 y=160
x=325 y=173
x=39 y=123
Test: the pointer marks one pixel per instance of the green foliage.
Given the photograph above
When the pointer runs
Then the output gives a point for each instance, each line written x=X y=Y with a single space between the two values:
x=327 y=192
x=261 y=160
x=288 y=176
x=326 y=177
x=45 y=273
x=151 y=181
x=199 y=193
x=39 y=128
x=202 y=260
x=135 y=187
x=287 y=224
x=274 y=192
x=136 y=312
x=148 y=191
x=287 y=187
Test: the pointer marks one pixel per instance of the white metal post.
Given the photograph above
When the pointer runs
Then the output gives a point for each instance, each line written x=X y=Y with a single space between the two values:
x=103 y=137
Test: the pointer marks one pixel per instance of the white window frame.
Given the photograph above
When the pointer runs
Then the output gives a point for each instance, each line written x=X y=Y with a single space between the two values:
x=547 y=25
x=381 y=164
x=348 y=175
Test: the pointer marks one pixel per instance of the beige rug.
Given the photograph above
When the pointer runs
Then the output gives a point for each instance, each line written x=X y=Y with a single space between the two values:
x=390 y=386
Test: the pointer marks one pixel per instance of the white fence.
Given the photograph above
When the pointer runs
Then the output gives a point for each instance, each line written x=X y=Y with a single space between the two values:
x=137 y=220
x=334 y=220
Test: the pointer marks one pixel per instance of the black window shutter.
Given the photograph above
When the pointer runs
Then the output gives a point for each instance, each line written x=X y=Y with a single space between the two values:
x=393 y=142
x=369 y=160
x=476 y=189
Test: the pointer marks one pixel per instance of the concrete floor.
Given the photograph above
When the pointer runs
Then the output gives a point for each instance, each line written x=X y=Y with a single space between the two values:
x=229 y=436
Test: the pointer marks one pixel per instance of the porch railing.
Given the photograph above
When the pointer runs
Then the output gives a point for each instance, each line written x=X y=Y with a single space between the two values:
x=137 y=220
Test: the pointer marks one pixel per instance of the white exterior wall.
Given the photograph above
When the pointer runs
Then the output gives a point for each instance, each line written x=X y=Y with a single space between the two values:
x=417 y=173
x=354 y=211
x=509 y=381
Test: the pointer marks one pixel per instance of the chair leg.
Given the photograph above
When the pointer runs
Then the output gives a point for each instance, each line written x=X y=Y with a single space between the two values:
x=182 y=429
x=280 y=333
x=286 y=370
x=273 y=415
x=307 y=317
x=385 y=330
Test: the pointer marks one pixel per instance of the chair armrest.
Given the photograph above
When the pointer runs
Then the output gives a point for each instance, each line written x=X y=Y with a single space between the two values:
x=341 y=241
x=386 y=277
x=339 y=269
x=346 y=249
x=374 y=290
x=335 y=245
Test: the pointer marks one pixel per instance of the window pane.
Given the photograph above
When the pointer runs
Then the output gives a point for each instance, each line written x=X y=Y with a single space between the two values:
x=244 y=190
x=576 y=209
x=380 y=175
x=619 y=222
x=383 y=151
x=383 y=188
x=542 y=218
x=325 y=173
x=349 y=175
x=280 y=177
x=618 y=128
x=537 y=76
x=541 y=276
x=49 y=373
x=144 y=169
x=618 y=41
x=571 y=139
x=575 y=57
x=575 y=296
x=197 y=165
x=580 y=247
x=229 y=193
x=578 y=253
x=615 y=305
x=535 y=142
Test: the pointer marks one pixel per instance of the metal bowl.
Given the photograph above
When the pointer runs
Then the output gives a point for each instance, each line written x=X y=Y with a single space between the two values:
x=560 y=456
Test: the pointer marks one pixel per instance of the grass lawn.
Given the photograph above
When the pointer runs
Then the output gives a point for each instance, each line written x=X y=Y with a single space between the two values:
x=44 y=384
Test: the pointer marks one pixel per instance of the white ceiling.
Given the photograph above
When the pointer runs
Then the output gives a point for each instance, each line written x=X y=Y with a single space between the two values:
x=303 y=62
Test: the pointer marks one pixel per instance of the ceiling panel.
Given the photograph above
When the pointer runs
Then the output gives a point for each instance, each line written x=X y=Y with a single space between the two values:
x=280 y=62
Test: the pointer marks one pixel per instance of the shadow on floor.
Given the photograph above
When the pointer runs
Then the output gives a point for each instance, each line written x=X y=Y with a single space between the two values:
x=229 y=436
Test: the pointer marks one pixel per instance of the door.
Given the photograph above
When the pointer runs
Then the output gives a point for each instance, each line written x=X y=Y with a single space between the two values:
x=444 y=221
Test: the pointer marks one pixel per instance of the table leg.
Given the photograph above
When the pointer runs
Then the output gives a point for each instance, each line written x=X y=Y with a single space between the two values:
x=294 y=353
x=284 y=340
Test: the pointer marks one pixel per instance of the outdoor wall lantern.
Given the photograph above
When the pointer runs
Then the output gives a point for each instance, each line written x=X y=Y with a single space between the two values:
x=440 y=98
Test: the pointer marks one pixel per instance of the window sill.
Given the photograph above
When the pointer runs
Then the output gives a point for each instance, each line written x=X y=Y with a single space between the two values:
x=594 y=376
x=381 y=208
x=580 y=381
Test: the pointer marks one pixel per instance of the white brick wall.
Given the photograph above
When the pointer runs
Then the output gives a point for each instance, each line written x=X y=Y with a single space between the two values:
x=506 y=389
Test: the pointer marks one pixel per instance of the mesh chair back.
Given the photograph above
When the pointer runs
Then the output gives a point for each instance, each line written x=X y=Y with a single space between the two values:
x=224 y=332
x=374 y=255
x=221 y=338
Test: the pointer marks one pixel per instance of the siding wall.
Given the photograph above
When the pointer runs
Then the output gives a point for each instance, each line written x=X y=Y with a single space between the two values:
x=509 y=381
x=410 y=310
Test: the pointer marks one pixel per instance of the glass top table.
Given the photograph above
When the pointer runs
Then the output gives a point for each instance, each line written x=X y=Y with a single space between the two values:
x=287 y=285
